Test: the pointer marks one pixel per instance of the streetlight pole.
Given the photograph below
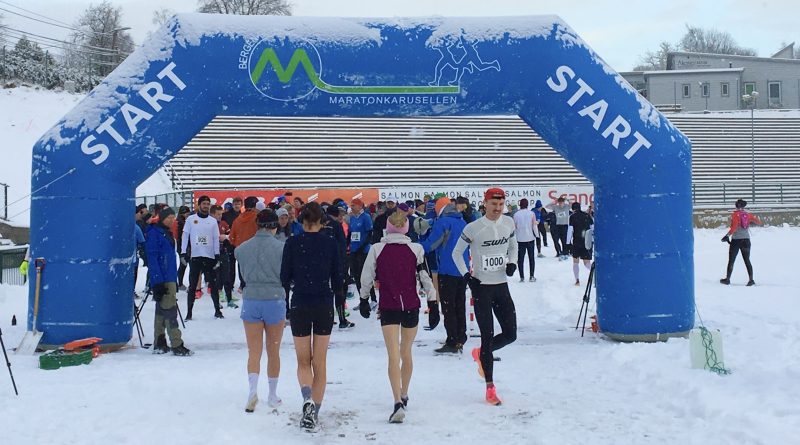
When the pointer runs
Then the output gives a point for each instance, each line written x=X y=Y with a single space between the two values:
x=752 y=99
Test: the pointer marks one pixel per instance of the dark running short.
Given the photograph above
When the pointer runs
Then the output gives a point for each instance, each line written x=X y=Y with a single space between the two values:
x=581 y=252
x=316 y=319
x=406 y=319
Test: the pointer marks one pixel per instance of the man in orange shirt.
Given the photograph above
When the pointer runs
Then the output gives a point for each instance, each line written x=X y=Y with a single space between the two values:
x=244 y=227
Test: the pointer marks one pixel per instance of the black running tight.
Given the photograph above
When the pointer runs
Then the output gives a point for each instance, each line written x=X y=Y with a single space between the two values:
x=494 y=298
x=737 y=245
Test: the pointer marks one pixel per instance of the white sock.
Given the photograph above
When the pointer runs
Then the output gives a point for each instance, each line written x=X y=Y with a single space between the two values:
x=576 y=271
x=273 y=386
x=252 y=378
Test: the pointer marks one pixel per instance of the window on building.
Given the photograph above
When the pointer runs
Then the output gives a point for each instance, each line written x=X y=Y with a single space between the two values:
x=749 y=87
x=726 y=89
x=705 y=89
x=687 y=90
x=774 y=93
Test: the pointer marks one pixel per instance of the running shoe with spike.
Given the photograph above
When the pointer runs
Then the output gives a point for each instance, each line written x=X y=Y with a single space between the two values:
x=232 y=305
x=399 y=413
x=274 y=401
x=751 y=283
x=251 y=404
x=577 y=282
x=725 y=281
x=308 y=421
x=447 y=348
x=476 y=355
x=198 y=294
x=404 y=399
x=491 y=396
x=532 y=279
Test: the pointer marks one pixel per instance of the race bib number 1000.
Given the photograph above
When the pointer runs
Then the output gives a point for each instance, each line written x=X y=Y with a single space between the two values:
x=492 y=263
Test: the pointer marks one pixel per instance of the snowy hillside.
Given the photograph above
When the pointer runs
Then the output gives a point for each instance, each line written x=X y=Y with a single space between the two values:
x=557 y=388
x=25 y=115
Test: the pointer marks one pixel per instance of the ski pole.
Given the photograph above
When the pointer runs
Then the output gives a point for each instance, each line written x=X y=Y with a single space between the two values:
x=8 y=363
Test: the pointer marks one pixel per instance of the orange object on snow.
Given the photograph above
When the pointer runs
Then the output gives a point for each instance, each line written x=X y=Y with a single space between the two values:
x=85 y=343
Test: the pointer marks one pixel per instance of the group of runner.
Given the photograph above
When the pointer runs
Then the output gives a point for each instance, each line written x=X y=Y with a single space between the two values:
x=296 y=261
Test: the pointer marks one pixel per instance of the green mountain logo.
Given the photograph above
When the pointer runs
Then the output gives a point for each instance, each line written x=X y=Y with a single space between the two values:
x=268 y=60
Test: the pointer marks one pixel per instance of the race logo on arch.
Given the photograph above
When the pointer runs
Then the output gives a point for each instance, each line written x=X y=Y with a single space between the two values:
x=291 y=69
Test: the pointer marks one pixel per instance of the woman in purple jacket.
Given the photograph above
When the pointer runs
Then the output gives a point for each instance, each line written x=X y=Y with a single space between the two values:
x=399 y=265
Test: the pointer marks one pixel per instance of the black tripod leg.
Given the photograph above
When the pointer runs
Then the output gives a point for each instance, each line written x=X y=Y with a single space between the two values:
x=138 y=326
x=180 y=316
x=8 y=363
x=587 y=297
x=580 y=313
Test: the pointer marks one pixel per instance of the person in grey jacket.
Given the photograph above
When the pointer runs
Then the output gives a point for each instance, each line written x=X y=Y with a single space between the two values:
x=561 y=209
x=264 y=305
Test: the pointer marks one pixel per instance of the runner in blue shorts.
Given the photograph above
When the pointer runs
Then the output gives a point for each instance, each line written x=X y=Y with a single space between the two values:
x=264 y=305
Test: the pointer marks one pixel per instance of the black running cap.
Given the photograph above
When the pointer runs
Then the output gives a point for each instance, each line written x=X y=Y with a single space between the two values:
x=267 y=218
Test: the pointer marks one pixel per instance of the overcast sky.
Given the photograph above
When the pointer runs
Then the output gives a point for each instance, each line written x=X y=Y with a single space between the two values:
x=620 y=34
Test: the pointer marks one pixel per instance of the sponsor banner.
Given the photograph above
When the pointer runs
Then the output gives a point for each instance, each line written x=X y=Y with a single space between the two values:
x=583 y=194
x=220 y=197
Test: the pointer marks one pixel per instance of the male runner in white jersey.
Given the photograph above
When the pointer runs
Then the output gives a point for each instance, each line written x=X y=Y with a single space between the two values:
x=493 y=248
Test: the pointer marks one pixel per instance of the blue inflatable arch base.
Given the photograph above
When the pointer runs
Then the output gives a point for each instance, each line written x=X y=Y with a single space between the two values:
x=200 y=66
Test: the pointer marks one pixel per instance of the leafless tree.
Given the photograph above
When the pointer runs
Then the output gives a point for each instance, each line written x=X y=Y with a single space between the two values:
x=696 y=40
x=245 y=7
x=655 y=60
x=102 y=38
x=162 y=16
x=712 y=41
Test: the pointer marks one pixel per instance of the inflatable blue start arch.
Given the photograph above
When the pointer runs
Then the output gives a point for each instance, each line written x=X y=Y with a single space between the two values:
x=200 y=66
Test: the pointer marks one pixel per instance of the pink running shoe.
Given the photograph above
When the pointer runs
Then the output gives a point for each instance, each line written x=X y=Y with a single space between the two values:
x=491 y=396
x=476 y=355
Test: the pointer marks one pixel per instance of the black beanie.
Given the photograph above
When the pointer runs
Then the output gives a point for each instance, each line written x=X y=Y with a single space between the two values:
x=741 y=203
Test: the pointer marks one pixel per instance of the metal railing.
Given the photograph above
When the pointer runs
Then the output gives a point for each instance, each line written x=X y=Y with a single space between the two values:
x=174 y=200
x=761 y=193
x=10 y=259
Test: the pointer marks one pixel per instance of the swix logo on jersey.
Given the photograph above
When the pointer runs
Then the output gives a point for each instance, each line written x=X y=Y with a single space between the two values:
x=495 y=242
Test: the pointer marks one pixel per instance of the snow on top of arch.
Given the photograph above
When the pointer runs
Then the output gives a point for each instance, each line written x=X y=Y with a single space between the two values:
x=193 y=27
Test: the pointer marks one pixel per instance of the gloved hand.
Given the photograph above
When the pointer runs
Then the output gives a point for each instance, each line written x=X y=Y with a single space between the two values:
x=217 y=262
x=159 y=290
x=726 y=239
x=472 y=282
x=185 y=258
x=433 y=315
x=23 y=268
x=510 y=269
x=364 y=308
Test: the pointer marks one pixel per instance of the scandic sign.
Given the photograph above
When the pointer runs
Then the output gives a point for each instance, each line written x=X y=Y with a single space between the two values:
x=583 y=194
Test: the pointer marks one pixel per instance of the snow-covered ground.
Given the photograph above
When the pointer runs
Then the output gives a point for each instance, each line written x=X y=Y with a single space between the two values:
x=26 y=113
x=557 y=388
